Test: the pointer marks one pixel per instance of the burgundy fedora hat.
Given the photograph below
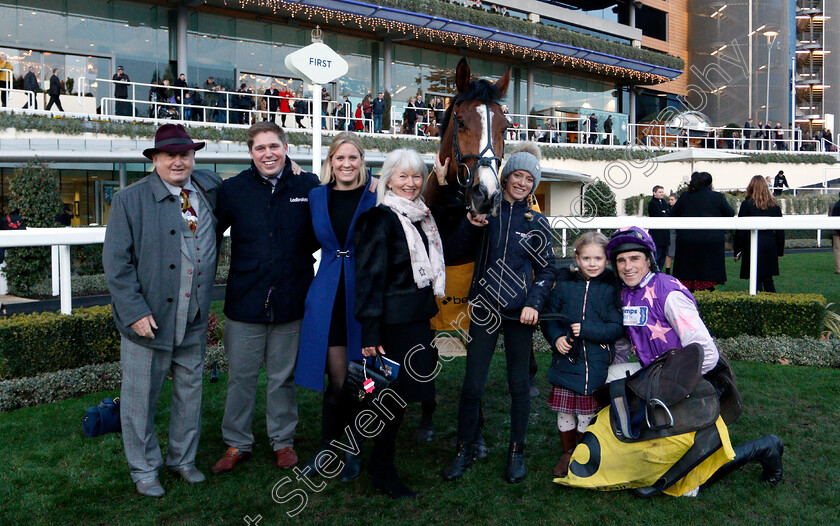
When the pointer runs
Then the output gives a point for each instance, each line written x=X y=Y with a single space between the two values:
x=172 y=138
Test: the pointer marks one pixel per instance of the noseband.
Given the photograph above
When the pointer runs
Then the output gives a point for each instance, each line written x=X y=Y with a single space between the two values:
x=480 y=159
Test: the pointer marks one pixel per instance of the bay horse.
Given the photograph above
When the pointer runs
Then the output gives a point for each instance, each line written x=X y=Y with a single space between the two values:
x=472 y=136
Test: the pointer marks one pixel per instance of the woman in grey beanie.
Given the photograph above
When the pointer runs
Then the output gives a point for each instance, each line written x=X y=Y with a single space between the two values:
x=514 y=272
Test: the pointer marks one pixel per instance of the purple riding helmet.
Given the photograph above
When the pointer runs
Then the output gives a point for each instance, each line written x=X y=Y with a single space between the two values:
x=628 y=239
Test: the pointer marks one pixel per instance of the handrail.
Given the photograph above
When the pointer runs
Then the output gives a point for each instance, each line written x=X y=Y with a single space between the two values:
x=63 y=238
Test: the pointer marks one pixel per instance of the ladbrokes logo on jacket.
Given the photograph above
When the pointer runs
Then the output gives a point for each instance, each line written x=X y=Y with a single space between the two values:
x=298 y=199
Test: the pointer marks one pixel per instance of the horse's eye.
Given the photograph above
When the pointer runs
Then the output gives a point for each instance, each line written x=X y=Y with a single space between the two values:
x=461 y=124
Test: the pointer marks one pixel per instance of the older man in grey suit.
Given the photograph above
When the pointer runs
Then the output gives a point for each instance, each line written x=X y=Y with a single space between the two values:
x=160 y=262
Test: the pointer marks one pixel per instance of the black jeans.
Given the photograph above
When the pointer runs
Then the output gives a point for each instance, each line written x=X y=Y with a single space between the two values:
x=765 y=283
x=479 y=354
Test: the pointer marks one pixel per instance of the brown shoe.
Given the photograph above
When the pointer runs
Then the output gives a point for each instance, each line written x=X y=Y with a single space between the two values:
x=286 y=457
x=233 y=456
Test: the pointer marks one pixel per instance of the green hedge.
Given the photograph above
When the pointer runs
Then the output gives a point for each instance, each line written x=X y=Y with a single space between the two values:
x=36 y=343
x=730 y=314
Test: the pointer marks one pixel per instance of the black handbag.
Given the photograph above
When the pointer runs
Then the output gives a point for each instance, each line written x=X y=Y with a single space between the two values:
x=364 y=381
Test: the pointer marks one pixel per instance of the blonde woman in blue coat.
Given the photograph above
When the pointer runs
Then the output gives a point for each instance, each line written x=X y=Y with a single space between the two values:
x=331 y=335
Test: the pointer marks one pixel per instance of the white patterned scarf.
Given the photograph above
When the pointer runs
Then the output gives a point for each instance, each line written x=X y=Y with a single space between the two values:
x=427 y=266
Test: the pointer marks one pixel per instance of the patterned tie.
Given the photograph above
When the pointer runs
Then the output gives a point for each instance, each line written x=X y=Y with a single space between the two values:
x=188 y=211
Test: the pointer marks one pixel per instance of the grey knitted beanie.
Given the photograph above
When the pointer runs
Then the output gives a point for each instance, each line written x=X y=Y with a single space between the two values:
x=522 y=161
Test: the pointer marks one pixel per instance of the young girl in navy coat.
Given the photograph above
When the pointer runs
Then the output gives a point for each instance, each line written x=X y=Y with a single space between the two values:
x=582 y=332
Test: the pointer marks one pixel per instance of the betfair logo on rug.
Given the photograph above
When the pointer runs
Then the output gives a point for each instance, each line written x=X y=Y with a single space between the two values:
x=455 y=301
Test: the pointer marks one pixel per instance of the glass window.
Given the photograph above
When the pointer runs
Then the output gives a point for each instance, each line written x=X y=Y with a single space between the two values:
x=652 y=22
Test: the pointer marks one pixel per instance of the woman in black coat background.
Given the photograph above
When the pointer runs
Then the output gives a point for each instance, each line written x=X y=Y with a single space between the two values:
x=699 y=257
x=771 y=243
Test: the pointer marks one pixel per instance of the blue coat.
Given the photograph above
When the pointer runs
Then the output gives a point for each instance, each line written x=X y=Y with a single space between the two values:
x=600 y=326
x=312 y=354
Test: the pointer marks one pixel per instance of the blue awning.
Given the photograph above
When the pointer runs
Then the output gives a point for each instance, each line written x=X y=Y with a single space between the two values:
x=421 y=20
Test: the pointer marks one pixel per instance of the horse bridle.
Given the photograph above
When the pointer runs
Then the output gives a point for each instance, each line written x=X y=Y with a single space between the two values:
x=481 y=160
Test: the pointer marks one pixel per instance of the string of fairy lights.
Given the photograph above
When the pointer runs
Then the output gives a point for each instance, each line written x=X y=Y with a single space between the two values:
x=392 y=27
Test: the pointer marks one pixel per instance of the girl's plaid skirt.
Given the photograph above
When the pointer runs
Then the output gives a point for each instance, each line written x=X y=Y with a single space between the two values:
x=569 y=402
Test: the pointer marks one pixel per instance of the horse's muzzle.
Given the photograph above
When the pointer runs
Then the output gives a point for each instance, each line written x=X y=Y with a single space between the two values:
x=482 y=201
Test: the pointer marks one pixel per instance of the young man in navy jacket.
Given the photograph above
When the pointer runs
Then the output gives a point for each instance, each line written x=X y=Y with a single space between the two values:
x=271 y=267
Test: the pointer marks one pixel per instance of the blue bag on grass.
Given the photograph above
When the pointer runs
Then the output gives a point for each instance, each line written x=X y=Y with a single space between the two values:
x=103 y=418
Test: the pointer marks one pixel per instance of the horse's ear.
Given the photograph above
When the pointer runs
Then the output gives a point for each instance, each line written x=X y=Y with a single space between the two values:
x=462 y=75
x=503 y=83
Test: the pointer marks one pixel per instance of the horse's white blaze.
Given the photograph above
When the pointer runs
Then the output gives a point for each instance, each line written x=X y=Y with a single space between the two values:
x=487 y=176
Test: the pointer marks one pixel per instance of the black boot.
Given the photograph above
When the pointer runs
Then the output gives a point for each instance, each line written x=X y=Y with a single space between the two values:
x=767 y=450
x=330 y=430
x=516 y=463
x=479 y=446
x=426 y=429
x=381 y=465
x=461 y=463
x=352 y=462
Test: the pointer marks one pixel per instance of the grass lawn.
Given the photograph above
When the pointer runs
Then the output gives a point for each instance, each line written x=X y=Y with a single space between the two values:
x=54 y=475
x=799 y=272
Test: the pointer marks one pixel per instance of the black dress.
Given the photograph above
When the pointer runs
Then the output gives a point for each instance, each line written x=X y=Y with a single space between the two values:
x=342 y=207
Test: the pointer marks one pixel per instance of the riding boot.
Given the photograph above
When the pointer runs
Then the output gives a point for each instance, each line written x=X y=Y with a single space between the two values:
x=426 y=429
x=462 y=461
x=569 y=439
x=381 y=466
x=516 y=463
x=330 y=430
x=767 y=450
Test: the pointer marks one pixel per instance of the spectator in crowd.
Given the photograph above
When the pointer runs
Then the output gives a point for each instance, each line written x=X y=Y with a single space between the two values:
x=748 y=126
x=65 y=216
x=409 y=117
x=422 y=112
x=211 y=98
x=700 y=253
x=593 y=129
x=30 y=83
x=769 y=183
x=273 y=101
x=779 y=182
x=180 y=87
x=270 y=272
x=828 y=144
x=835 y=237
x=160 y=277
x=400 y=269
x=780 y=138
x=440 y=109
x=55 y=91
x=285 y=109
x=301 y=109
x=325 y=106
x=121 y=81
x=244 y=101
x=367 y=111
x=768 y=136
x=188 y=102
x=341 y=112
x=672 y=237
x=539 y=134
x=329 y=337
x=658 y=207
x=221 y=105
x=771 y=243
x=759 y=135
x=5 y=78
x=377 y=110
x=433 y=130
x=359 y=123
x=608 y=130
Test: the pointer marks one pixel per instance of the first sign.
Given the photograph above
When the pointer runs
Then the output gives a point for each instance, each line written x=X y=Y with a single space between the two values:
x=317 y=63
